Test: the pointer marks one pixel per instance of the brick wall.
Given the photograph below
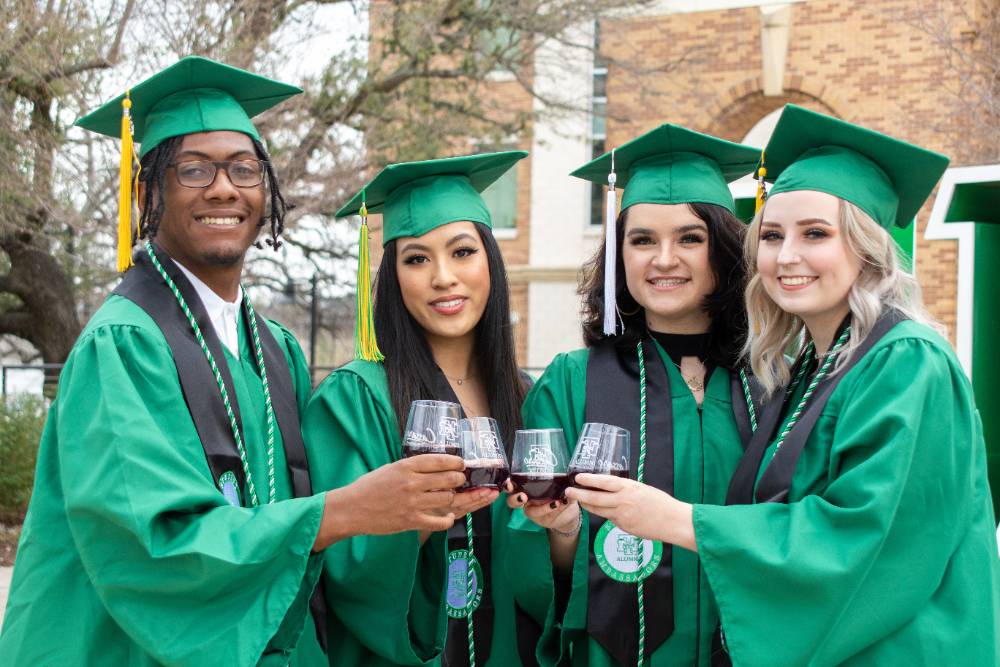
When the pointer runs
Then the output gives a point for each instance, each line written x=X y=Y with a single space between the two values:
x=853 y=59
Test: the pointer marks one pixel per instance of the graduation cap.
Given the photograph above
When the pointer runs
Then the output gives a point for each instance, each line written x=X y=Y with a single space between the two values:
x=193 y=95
x=886 y=178
x=667 y=165
x=674 y=165
x=415 y=198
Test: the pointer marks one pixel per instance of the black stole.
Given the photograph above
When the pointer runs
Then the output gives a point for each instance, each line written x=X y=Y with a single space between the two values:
x=741 y=410
x=144 y=286
x=777 y=478
x=613 y=398
x=456 y=650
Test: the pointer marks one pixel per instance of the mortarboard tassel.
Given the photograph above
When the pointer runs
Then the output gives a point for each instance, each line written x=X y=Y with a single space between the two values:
x=761 y=192
x=610 y=254
x=125 y=188
x=365 y=345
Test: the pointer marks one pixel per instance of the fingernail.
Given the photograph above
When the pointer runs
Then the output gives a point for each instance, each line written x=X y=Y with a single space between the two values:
x=521 y=498
x=552 y=505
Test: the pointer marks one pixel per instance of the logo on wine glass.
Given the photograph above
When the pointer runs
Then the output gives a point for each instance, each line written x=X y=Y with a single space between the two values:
x=589 y=450
x=448 y=429
x=540 y=459
x=489 y=446
x=416 y=439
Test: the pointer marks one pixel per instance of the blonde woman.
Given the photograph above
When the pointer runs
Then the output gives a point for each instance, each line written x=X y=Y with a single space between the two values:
x=860 y=525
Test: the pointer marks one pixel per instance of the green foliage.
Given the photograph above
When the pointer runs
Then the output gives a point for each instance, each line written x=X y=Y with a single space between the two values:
x=21 y=421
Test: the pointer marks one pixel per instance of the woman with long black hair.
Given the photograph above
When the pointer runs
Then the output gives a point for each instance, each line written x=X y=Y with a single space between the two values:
x=442 y=320
x=664 y=325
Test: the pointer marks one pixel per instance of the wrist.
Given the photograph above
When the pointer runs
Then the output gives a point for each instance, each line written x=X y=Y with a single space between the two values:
x=681 y=525
x=571 y=528
x=338 y=521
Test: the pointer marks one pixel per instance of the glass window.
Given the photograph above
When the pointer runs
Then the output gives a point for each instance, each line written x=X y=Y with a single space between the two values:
x=597 y=190
x=501 y=199
x=600 y=84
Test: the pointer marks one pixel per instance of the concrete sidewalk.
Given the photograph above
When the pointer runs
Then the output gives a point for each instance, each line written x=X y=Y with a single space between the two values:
x=5 y=573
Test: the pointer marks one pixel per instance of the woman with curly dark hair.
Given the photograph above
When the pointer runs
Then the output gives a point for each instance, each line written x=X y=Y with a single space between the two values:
x=664 y=324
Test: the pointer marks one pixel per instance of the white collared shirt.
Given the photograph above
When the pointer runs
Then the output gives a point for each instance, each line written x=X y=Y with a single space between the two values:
x=221 y=313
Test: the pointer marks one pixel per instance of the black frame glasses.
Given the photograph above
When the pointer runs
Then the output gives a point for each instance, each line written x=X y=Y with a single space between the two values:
x=213 y=166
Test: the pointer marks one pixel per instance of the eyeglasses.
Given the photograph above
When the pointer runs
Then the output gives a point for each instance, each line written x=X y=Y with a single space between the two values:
x=201 y=173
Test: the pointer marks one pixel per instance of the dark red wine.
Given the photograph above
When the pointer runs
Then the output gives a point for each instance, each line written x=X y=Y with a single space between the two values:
x=415 y=450
x=492 y=475
x=541 y=486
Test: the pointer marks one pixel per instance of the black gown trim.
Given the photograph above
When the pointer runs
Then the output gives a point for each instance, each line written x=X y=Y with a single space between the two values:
x=144 y=286
x=777 y=478
x=613 y=398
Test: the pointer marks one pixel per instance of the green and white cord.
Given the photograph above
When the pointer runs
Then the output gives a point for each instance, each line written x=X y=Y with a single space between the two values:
x=470 y=590
x=222 y=386
x=639 y=476
x=823 y=371
x=749 y=399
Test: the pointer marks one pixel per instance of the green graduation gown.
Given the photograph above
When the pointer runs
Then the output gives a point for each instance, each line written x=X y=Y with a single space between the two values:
x=706 y=449
x=130 y=554
x=885 y=552
x=387 y=592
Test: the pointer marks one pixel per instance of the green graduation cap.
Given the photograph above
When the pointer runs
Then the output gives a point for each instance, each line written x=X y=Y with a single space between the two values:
x=887 y=178
x=673 y=165
x=415 y=198
x=668 y=165
x=193 y=95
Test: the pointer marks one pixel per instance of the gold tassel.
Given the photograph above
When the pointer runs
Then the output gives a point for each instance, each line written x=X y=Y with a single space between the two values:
x=761 y=192
x=365 y=345
x=125 y=189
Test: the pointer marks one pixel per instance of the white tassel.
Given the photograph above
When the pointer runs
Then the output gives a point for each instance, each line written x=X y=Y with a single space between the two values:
x=610 y=254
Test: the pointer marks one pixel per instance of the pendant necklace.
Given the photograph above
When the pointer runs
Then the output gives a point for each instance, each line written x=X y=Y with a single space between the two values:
x=693 y=382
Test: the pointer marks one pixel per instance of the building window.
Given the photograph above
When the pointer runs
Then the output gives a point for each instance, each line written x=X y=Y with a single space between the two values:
x=598 y=125
x=501 y=199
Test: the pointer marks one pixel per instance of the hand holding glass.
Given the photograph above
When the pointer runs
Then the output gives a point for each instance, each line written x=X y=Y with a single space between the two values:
x=602 y=449
x=539 y=464
x=433 y=428
x=485 y=460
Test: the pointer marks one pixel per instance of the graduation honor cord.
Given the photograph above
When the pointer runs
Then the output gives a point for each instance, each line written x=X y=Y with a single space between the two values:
x=470 y=590
x=259 y=353
x=823 y=371
x=639 y=475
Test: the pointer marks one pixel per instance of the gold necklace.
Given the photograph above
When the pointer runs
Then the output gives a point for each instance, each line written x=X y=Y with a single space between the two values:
x=693 y=382
x=458 y=381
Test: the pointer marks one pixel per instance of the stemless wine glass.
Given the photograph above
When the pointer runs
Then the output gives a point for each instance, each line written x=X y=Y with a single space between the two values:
x=485 y=460
x=602 y=449
x=538 y=465
x=433 y=428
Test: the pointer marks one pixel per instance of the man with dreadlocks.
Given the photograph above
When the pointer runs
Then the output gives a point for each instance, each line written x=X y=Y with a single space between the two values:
x=173 y=519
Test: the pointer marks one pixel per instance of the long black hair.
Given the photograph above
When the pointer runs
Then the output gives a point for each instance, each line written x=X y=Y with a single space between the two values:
x=409 y=364
x=724 y=305
x=153 y=172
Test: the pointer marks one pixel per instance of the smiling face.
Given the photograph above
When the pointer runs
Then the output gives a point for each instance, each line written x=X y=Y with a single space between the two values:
x=803 y=258
x=210 y=228
x=444 y=278
x=667 y=266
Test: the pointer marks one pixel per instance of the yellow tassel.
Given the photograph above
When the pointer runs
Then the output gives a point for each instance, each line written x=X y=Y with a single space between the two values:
x=125 y=189
x=761 y=192
x=365 y=345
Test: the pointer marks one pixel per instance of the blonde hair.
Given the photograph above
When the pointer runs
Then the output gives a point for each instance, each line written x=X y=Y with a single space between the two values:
x=882 y=284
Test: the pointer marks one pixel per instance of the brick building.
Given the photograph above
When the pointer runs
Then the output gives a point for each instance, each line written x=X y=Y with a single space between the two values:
x=726 y=67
